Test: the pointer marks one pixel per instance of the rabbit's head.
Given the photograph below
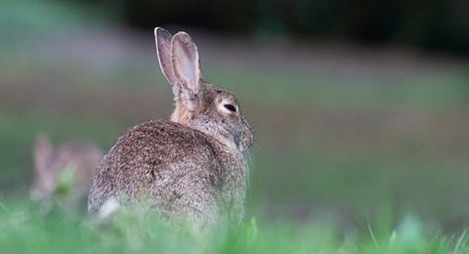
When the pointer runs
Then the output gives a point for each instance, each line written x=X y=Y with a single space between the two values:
x=198 y=104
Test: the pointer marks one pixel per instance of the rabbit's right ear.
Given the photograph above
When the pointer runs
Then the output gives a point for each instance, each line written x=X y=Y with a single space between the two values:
x=163 y=50
x=186 y=68
x=42 y=153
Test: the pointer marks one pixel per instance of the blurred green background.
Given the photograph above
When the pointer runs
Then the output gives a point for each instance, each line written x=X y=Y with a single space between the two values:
x=360 y=110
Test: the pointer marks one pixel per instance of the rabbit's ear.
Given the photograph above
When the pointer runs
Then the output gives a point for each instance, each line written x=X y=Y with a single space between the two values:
x=186 y=67
x=42 y=153
x=163 y=51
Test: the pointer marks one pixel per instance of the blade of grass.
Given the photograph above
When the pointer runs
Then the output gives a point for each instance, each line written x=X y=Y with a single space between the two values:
x=460 y=242
x=373 y=238
x=4 y=208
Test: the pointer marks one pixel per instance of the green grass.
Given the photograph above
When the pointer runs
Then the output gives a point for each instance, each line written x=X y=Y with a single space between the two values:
x=25 y=230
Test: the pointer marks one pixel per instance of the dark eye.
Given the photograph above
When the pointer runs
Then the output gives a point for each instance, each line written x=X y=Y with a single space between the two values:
x=230 y=107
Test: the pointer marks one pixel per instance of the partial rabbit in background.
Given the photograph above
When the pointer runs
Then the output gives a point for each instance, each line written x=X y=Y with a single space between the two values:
x=79 y=157
x=193 y=168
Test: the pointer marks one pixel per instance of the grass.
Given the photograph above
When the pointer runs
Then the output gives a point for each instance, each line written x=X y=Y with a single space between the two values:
x=25 y=230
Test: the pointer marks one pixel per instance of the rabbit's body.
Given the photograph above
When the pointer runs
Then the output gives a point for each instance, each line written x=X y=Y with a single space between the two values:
x=81 y=156
x=184 y=173
x=190 y=169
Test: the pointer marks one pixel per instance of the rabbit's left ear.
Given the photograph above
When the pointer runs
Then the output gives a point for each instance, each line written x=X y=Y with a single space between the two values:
x=163 y=51
x=42 y=153
x=186 y=67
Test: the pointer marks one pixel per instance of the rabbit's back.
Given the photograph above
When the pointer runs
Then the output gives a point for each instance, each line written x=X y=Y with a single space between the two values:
x=177 y=169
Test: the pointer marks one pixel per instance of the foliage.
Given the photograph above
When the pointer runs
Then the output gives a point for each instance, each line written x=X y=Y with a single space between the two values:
x=25 y=230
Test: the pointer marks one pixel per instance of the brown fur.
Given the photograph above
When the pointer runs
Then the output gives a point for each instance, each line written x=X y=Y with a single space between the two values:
x=192 y=168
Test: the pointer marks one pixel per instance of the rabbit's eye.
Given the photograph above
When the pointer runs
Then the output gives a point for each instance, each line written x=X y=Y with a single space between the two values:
x=230 y=107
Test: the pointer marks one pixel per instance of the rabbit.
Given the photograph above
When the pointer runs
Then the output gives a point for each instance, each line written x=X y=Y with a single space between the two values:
x=78 y=155
x=192 y=168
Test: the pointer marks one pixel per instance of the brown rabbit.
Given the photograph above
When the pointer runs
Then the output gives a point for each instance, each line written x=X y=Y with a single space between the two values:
x=78 y=155
x=193 y=168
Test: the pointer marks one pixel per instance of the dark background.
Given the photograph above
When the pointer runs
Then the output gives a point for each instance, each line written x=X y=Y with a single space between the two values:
x=438 y=25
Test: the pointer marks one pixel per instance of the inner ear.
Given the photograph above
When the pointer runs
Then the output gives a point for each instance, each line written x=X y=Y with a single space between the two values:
x=185 y=62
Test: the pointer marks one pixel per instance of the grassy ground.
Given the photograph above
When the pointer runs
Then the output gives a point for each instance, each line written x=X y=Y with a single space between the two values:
x=24 y=230
x=349 y=141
